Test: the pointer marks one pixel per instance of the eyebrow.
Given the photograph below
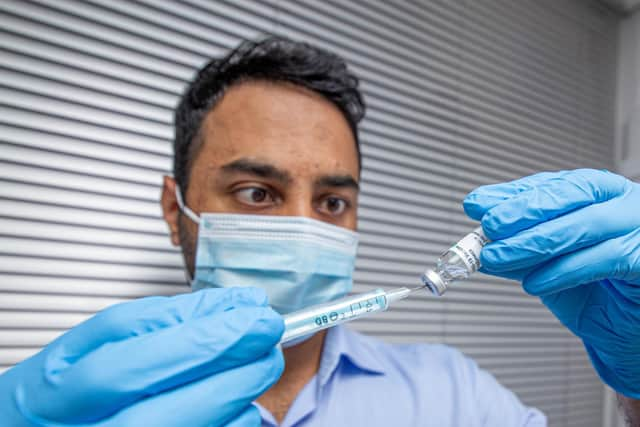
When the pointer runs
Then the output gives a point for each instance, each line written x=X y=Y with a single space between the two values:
x=263 y=170
x=266 y=170
x=345 y=181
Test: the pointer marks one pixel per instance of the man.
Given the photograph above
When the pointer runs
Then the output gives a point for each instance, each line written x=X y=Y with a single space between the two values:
x=263 y=203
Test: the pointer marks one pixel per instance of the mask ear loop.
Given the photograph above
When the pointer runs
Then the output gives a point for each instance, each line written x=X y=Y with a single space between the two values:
x=193 y=217
x=185 y=210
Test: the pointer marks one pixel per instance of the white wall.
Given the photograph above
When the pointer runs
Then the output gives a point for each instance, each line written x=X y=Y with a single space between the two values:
x=611 y=415
x=628 y=99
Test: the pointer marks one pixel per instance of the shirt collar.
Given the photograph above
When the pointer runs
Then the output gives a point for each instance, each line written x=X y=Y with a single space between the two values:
x=341 y=343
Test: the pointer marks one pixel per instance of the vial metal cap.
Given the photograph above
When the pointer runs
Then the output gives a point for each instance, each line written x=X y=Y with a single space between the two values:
x=434 y=282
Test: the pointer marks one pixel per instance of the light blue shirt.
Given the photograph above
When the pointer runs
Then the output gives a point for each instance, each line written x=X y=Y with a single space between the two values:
x=365 y=382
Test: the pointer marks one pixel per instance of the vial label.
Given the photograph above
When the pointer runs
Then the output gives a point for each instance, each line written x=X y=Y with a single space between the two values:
x=469 y=247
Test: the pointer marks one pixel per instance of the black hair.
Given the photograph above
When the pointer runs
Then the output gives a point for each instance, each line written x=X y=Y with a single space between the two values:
x=275 y=59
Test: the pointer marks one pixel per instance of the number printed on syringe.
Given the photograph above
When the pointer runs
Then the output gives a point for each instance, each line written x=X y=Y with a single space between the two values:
x=353 y=310
x=322 y=316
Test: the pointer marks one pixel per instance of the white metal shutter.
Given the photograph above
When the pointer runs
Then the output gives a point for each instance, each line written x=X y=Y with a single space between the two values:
x=459 y=94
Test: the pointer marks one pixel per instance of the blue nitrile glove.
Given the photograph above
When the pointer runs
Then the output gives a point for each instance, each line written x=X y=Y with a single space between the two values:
x=573 y=239
x=197 y=359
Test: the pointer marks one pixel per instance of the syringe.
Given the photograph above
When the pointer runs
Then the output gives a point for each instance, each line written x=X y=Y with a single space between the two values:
x=457 y=263
x=322 y=316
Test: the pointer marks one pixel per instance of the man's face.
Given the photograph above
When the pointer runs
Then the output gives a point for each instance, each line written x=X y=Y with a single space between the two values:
x=269 y=149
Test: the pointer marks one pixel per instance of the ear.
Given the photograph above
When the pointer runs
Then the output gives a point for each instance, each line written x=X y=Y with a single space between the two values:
x=170 y=209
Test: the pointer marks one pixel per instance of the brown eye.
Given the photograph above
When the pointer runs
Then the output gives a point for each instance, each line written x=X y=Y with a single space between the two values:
x=254 y=196
x=258 y=195
x=334 y=205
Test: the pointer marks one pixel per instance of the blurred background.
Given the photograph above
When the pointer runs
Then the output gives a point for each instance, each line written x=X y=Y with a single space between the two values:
x=460 y=93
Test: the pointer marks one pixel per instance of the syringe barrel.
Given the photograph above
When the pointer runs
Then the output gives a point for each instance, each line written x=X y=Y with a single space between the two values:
x=323 y=316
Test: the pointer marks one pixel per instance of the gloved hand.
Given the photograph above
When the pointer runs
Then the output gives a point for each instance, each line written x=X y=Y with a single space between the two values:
x=573 y=239
x=197 y=359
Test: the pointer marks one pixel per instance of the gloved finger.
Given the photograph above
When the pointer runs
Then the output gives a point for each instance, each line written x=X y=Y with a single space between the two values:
x=483 y=198
x=617 y=258
x=212 y=401
x=551 y=198
x=144 y=316
x=576 y=230
x=517 y=275
x=119 y=373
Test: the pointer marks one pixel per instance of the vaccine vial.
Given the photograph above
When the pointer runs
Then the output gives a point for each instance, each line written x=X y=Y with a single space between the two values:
x=457 y=263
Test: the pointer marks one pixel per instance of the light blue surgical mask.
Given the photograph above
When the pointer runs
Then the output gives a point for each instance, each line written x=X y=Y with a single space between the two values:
x=298 y=261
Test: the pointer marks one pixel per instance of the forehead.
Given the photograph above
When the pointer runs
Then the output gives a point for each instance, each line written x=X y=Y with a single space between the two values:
x=286 y=125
